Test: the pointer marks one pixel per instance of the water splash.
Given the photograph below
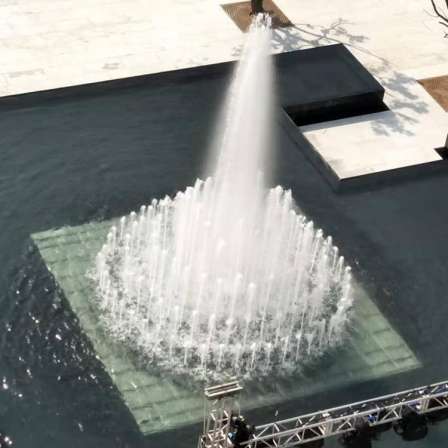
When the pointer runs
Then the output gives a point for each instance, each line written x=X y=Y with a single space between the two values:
x=226 y=278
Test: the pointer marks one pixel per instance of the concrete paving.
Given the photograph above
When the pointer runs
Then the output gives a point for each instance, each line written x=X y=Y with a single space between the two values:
x=44 y=44
x=404 y=136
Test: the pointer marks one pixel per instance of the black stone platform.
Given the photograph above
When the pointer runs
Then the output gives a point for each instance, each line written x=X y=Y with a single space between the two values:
x=326 y=83
x=316 y=84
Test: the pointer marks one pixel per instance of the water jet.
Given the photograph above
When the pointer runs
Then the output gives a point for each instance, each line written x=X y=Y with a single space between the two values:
x=227 y=278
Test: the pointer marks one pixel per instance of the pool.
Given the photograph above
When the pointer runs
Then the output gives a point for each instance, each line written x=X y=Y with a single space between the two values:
x=91 y=155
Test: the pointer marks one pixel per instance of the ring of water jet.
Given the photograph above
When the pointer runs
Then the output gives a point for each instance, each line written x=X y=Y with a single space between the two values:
x=226 y=278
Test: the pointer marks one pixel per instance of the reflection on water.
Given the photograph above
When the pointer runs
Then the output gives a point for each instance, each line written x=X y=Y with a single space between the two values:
x=44 y=350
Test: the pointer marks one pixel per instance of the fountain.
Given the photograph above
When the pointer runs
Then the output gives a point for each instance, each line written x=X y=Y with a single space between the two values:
x=226 y=278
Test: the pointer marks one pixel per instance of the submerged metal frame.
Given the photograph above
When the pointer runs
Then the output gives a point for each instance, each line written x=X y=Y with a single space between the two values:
x=335 y=421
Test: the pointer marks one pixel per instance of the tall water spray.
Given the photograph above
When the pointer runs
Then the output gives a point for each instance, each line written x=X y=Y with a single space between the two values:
x=226 y=278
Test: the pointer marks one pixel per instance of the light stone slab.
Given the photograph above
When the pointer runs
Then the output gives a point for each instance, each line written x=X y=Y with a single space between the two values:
x=70 y=39
x=158 y=402
x=406 y=135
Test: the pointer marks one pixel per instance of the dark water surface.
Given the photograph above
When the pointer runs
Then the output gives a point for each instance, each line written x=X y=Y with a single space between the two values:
x=72 y=160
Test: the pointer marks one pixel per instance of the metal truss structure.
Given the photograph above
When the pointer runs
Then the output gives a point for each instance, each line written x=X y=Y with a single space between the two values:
x=221 y=402
x=319 y=425
x=331 y=422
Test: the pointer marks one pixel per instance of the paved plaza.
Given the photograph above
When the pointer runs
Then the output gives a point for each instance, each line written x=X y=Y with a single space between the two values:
x=46 y=44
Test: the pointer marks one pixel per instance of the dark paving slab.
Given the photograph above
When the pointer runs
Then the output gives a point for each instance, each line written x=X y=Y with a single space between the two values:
x=438 y=88
x=314 y=82
x=307 y=81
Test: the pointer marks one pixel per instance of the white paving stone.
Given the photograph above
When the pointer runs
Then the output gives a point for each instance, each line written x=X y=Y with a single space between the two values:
x=69 y=40
x=405 y=135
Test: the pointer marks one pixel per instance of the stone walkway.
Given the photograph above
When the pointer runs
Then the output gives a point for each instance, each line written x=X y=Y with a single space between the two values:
x=46 y=44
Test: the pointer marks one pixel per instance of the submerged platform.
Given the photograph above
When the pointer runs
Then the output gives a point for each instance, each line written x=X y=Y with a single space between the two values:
x=373 y=349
